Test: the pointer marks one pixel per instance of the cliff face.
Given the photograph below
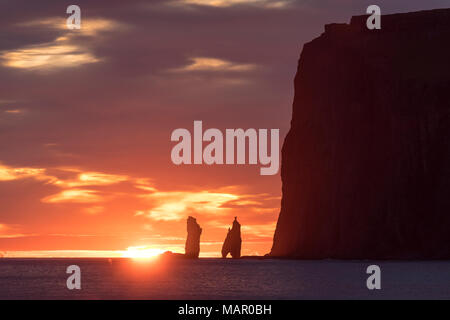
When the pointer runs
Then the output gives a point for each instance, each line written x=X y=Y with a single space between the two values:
x=192 y=248
x=233 y=241
x=366 y=163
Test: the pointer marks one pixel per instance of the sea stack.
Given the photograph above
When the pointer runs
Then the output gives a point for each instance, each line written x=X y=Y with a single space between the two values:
x=366 y=163
x=233 y=241
x=192 y=249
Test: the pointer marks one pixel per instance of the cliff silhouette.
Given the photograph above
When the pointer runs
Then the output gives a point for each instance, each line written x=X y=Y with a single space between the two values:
x=233 y=241
x=366 y=163
x=192 y=248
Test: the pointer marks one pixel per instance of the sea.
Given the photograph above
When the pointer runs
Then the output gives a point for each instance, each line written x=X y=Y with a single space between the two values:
x=210 y=278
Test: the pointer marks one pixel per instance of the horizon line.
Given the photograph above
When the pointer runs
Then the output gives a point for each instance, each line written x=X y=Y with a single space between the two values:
x=80 y=254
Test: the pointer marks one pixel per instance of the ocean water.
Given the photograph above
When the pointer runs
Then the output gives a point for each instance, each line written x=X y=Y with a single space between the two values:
x=221 y=279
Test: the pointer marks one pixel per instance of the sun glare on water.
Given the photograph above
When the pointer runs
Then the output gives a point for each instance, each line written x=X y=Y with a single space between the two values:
x=142 y=252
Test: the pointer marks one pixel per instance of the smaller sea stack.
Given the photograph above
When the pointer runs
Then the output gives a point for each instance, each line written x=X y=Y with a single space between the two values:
x=192 y=248
x=233 y=241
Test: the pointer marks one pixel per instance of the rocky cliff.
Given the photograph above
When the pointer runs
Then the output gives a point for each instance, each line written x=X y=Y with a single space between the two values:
x=366 y=163
x=233 y=241
x=192 y=248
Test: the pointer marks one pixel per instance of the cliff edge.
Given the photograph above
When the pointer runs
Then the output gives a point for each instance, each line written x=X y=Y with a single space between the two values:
x=366 y=163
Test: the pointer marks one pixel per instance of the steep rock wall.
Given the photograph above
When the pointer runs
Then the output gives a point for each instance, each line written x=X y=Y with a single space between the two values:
x=366 y=163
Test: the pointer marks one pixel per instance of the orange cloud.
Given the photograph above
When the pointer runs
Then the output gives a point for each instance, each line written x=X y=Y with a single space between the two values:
x=268 y=4
x=174 y=205
x=14 y=111
x=49 y=56
x=89 y=27
x=74 y=195
x=9 y=173
x=12 y=232
x=214 y=64
x=92 y=179
x=60 y=53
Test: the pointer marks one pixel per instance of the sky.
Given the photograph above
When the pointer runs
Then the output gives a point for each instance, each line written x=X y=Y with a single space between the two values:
x=86 y=118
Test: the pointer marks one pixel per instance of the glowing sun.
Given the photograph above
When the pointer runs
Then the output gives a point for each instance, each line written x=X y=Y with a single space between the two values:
x=142 y=252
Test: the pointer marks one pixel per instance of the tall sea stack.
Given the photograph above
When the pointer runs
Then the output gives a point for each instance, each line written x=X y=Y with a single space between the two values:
x=233 y=241
x=366 y=163
x=192 y=249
